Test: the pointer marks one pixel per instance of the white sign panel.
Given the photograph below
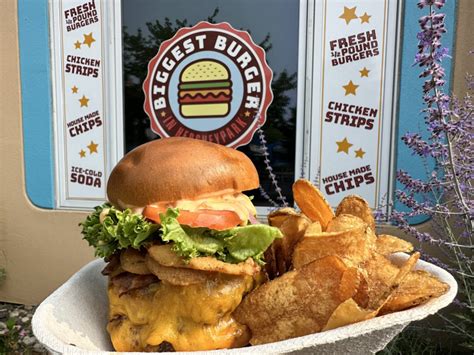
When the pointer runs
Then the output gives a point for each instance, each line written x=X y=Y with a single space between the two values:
x=351 y=122
x=80 y=121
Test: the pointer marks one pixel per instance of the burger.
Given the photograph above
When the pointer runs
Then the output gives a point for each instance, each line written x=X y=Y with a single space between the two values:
x=205 y=90
x=182 y=245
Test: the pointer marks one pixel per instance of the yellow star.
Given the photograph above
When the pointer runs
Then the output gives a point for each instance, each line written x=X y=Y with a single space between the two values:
x=350 y=88
x=247 y=114
x=364 y=72
x=84 y=101
x=349 y=14
x=77 y=45
x=365 y=18
x=88 y=39
x=359 y=153
x=163 y=113
x=343 y=146
x=82 y=153
x=74 y=89
x=93 y=147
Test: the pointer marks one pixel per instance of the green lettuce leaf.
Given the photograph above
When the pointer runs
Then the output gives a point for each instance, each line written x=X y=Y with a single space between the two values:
x=231 y=245
x=124 y=229
x=251 y=241
x=119 y=230
x=189 y=242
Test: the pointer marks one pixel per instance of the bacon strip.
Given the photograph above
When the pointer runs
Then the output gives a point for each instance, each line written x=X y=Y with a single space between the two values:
x=186 y=99
x=127 y=281
x=204 y=92
x=112 y=266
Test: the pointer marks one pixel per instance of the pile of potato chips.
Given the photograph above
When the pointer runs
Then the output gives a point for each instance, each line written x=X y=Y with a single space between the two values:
x=330 y=270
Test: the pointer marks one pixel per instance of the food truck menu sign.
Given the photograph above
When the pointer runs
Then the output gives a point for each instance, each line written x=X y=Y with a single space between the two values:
x=82 y=120
x=351 y=99
x=208 y=82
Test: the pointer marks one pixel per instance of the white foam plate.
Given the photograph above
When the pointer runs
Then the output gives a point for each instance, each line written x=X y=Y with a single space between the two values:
x=73 y=319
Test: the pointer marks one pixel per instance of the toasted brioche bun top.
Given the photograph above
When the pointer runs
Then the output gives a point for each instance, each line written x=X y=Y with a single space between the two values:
x=173 y=169
x=204 y=70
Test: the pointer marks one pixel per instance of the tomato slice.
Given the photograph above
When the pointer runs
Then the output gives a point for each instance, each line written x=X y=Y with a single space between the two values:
x=212 y=219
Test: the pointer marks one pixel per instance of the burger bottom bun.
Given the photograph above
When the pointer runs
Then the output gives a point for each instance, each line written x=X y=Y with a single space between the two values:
x=205 y=110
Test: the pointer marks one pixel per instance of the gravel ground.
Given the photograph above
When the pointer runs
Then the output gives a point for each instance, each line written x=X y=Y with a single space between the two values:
x=16 y=335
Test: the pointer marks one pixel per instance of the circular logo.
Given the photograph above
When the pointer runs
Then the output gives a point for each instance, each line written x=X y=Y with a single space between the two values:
x=208 y=82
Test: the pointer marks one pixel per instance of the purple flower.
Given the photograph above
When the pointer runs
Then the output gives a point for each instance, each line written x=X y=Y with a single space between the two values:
x=438 y=3
x=446 y=151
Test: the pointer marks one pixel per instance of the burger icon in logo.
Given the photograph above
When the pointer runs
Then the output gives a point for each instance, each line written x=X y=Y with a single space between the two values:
x=205 y=89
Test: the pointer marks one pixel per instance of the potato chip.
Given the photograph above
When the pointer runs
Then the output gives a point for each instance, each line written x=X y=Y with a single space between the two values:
x=270 y=262
x=133 y=261
x=293 y=229
x=344 y=222
x=348 y=312
x=384 y=294
x=357 y=206
x=380 y=272
x=312 y=202
x=280 y=260
x=293 y=226
x=350 y=245
x=362 y=295
x=277 y=217
x=209 y=263
x=417 y=288
x=297 y=303
x=371 y=238
x=383 y=276
x=177 y=276
x=167 y=257
x=313 y=228
x=350 y=282
x=405 y=269
x=388 y=244
x=275 y=263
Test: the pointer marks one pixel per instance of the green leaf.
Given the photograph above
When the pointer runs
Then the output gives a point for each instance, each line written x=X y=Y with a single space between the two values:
x=188 y=242
x=119 y=230
x=124 y=229
x=10 y=323
x=251 y=241
x=231 y=245
x=462 y=317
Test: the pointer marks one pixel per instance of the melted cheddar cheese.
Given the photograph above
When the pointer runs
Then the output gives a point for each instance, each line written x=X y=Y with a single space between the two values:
x=194 y=317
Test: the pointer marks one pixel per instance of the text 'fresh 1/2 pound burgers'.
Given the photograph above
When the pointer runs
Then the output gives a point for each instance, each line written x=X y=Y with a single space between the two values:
x=182 y=244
